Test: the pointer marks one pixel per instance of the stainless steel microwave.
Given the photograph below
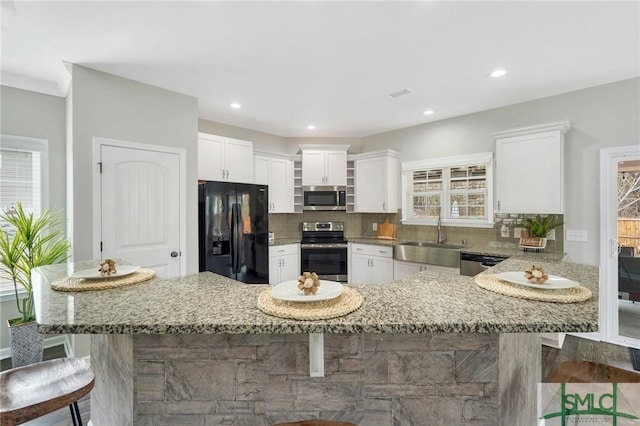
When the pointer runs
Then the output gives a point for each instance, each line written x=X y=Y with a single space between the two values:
x=324 y=198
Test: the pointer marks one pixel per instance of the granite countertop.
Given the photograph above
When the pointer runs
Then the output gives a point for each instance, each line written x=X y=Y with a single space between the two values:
x=427 y=302
x=284 y=241
x=514 y=252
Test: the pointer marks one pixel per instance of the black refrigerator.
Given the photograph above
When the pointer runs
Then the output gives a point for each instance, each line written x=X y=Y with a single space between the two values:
x=234 y=230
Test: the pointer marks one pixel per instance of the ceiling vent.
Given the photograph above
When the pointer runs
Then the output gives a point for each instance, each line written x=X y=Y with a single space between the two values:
x=399 y=93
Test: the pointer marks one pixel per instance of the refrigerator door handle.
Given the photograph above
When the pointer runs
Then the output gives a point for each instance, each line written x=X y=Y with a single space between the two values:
x=235 y=255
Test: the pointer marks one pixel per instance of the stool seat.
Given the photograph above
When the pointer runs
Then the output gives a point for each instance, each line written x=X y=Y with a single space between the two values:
x=316 y=422
x=31 y=391
x=591 y=372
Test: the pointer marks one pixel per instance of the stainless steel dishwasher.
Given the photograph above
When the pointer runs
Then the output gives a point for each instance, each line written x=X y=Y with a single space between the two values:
x=472 y=264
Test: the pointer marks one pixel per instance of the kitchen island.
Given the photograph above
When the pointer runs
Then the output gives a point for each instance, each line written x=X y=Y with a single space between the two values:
x=432 y=348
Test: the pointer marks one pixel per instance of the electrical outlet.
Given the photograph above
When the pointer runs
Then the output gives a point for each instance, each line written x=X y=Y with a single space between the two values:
x=551 y=236
x=504 y=231
x=576 y=235
x=375 y=226
x=517 y=232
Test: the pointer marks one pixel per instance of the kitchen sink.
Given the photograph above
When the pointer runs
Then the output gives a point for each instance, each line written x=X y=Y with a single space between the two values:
x=428 y=252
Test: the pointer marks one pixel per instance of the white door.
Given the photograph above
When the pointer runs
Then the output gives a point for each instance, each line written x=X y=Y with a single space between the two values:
x=620 y=245
x=140 y=208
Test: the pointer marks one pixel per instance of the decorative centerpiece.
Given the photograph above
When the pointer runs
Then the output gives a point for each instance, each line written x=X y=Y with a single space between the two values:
x=308 y=282
x=536 y=275
x=107 y=267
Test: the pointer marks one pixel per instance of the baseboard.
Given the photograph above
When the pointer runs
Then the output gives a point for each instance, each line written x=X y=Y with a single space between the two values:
x=555 y=340
x=49 y=342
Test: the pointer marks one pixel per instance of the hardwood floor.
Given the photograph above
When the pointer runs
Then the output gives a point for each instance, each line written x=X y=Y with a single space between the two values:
x=629 y=318
x=575 y=348
x=60 y=417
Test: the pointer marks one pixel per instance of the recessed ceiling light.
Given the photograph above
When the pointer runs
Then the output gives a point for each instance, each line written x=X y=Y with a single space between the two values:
x=498 y=73
x=311 y=127
x=428 y=112
x=235 y=105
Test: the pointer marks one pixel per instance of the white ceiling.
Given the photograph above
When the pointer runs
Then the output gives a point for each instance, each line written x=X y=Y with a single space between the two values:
x=328 y=63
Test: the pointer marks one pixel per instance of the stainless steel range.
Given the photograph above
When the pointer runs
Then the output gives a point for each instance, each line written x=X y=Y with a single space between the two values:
x=323 y=250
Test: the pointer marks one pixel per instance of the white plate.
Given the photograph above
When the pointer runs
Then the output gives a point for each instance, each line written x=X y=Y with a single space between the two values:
x=288 y=290
x=553 y=283
x=93 y=274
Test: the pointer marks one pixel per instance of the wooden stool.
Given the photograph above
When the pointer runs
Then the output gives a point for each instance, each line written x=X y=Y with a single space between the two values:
x=316 y=423
x=34 y=390
x=591 y=372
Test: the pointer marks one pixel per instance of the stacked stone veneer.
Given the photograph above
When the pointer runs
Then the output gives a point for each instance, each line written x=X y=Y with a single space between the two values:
x=410 y=379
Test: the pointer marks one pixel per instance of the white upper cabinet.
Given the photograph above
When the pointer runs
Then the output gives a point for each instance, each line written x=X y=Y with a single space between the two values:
x=377 y=183
x=224 y=159
x=324 y=165
x=530 y=169
x=277 y=172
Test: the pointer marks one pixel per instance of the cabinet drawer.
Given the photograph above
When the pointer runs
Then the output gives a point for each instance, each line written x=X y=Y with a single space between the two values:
x=372 y=250
x=283 y=250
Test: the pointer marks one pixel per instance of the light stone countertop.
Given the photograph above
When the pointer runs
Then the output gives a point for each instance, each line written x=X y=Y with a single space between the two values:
x=284 y=241
x=427 y=302
x=514 y=252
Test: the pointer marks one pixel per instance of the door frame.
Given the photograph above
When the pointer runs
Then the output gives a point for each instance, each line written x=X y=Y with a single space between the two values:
x=609 y=246
x=97 y=144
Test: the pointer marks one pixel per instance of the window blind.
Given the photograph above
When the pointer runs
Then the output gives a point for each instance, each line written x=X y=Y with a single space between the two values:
x=20 y=179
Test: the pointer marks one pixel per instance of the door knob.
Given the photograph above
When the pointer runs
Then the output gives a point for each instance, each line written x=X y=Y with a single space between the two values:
x=174 y=254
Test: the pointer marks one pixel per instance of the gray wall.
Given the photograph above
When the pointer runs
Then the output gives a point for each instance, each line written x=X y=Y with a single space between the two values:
x=32 y=114
x=273 y=143
x=107 y=106
x=602 y=116
x=261 y=141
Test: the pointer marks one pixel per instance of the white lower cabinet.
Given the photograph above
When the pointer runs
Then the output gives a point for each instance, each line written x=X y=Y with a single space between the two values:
x=370 y=264
x=284 y=263
x=403 y=268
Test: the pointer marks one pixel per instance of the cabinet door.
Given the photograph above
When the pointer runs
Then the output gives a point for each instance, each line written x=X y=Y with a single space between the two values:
x=529 y=174
x=238 y=162
x=313 y=168
x=402 y=269
x=370 y=185
x=274 y=269
x=381 y=270
x=210 y=157
x=360 y=269
x=290 y=267
x=336 y=168
x=281 y=186
x=261 y=167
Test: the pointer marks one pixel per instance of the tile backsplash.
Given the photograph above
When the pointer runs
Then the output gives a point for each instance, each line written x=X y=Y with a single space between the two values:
x=361 y=225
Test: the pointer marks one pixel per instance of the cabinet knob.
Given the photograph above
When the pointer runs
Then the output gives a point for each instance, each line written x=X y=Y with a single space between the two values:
x=384 y=206
x=498 y=204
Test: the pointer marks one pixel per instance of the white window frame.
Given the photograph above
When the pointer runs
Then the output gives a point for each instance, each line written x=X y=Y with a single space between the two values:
x=408 y=167
x=35 y=145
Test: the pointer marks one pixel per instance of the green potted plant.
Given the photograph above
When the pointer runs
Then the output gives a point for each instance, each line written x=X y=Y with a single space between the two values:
x=537 y=229
x=26 y=242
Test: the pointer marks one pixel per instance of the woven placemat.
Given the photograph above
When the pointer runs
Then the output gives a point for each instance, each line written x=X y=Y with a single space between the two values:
x=81 y=284
x=347 y=302
x=564 y=295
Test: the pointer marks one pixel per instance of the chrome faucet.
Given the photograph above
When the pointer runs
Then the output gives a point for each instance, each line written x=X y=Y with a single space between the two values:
x=441 y=237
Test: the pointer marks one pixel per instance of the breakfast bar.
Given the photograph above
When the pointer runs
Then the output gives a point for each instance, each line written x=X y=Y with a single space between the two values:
x=197 y=350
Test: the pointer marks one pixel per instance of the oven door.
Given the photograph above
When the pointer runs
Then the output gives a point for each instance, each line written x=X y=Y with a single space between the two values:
x=329 y=261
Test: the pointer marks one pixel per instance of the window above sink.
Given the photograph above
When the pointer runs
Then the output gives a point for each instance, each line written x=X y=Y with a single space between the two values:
x=458 y=190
